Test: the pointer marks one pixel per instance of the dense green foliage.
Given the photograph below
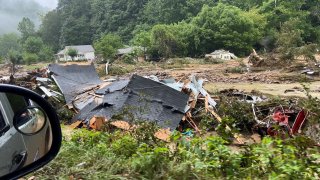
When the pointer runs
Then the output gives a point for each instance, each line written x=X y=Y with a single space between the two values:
x=177 y=28
x=108 y=45
x=27 y=28
x=120 y=155
x=187 y=27
x=8 y=42
x=29 y=46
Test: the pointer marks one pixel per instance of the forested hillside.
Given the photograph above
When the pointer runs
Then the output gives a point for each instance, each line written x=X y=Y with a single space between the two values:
x=177 y=28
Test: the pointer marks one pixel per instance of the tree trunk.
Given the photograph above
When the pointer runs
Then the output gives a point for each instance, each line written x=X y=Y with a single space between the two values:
x=107 y=67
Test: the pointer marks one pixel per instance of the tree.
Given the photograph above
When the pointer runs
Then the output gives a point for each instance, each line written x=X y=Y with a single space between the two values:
x=33 y=45
x=289 y=38
x=108 y=45
x=46 y=54
x=27 y=28
x=116 y=16
x=75 y=27
x=9 y=42
x=76 y=31
x=50 y=29
x=30 y=58
x=142 y=39
x=173 y=11
x=244 y=4
x=228 y=27
x=72 y=53
x=15 y=58
x=166 y=39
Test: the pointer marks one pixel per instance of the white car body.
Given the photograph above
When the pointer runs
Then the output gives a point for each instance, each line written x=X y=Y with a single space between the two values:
x=13 y=143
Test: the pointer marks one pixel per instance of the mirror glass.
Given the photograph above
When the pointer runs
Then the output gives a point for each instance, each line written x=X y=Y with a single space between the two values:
x=25 y=132
x=30 y=121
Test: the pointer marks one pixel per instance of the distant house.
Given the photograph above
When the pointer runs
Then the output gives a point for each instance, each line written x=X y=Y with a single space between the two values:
x=124 y=51
x=85 y=52
x=221 y=54
x=128 y=50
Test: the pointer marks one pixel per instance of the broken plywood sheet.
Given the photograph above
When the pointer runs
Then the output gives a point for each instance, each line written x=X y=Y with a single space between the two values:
x=74 y=79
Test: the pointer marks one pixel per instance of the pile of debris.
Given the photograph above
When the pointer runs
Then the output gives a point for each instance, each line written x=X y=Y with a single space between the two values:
x=165 y=102
x=280 y=121
x=125 y=101
x=37 y=80
x=255 y=59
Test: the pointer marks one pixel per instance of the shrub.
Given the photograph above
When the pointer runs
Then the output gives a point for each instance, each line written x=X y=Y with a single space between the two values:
x=129 y=59
x=96 y=155
x=117 y=70
x=238 y=70
x=30 y=58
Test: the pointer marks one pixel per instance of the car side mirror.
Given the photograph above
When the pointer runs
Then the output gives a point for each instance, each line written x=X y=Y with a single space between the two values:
x=30 y=133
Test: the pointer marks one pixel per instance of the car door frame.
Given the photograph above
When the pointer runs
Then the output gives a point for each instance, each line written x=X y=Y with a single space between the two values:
x=54 y=124
x=10 y=138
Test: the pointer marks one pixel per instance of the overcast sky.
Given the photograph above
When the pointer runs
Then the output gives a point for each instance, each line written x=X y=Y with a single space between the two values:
x=51 y=4
x=12 y=12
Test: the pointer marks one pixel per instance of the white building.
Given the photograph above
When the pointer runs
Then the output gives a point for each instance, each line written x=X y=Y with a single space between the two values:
x=84 y=52
x=221 y=54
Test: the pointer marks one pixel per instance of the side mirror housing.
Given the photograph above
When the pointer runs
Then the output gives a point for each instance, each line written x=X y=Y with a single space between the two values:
x=30 y=133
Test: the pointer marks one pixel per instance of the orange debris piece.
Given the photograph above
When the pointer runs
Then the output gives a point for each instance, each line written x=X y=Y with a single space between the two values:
x=163 y=134
x=121 y=125
x=76 y=124
x=97 y=122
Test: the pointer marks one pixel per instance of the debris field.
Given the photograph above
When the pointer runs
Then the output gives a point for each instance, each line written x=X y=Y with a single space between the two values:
x=172 y=105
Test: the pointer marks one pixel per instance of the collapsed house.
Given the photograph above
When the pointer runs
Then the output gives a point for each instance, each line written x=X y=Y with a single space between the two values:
x=141 y=99
x=221 y=54
x=167 y=103
x=135 y=99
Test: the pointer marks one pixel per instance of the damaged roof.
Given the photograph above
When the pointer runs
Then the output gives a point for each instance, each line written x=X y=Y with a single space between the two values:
x=74 y=79
x=142 y=100
x=80 y=49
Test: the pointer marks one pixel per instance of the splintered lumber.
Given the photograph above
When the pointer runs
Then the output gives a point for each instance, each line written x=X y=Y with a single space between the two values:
x=255 y=59
x=98 y=96
x=206 y=103
x=163 y=134
x=76 y=124
x=191 y=122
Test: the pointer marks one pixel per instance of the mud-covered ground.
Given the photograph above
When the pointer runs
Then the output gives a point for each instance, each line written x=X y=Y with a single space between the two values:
x=281 y=81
